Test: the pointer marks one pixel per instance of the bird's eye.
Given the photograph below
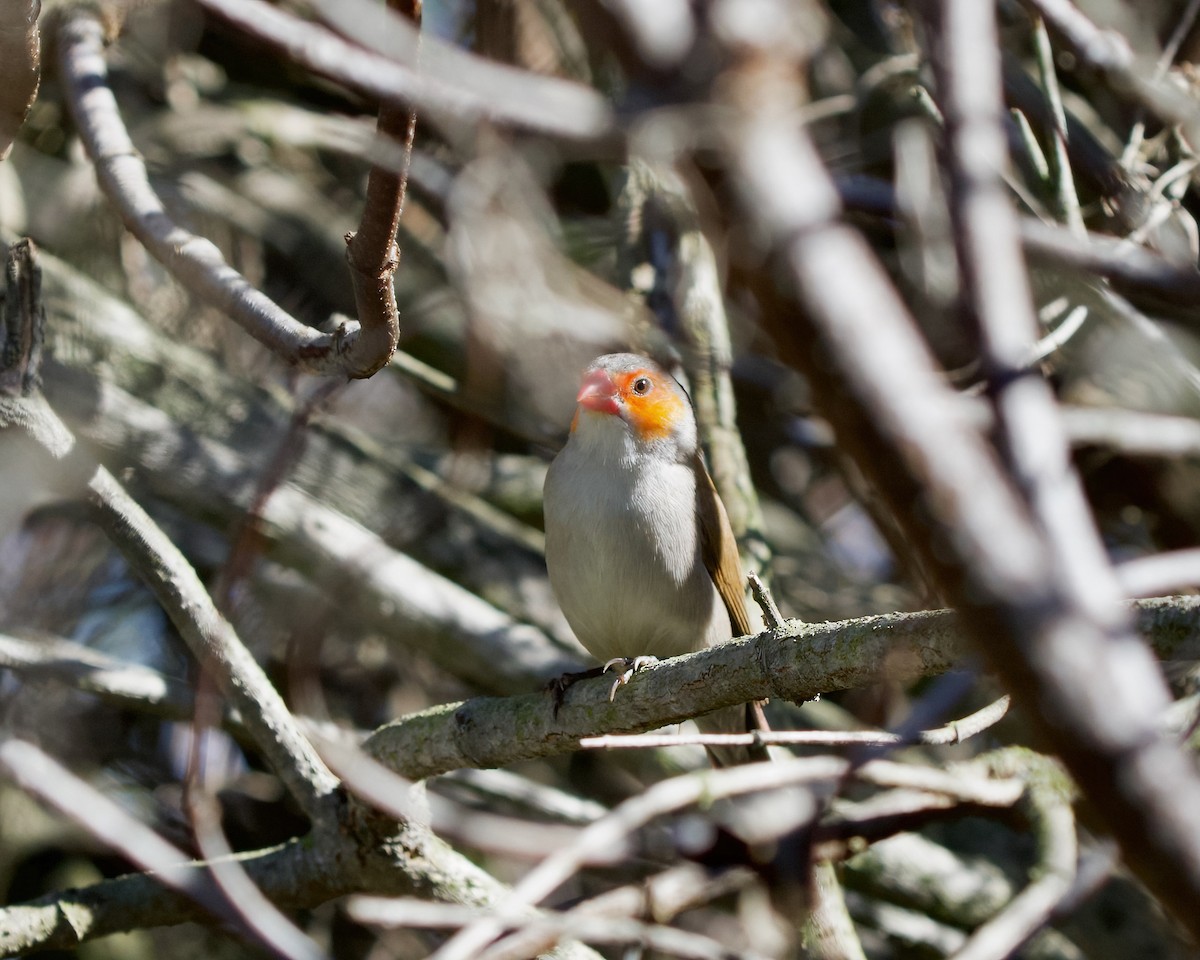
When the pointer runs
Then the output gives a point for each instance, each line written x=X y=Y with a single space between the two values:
x=641 y=386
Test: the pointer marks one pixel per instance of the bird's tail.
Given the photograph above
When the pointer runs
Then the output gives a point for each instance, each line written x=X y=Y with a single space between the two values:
x=744 y=718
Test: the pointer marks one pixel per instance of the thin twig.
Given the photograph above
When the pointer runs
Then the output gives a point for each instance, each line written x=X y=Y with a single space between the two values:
x=543 y=801
x=1138 y=131
x=955 y=732
x=371 y=251
x=257 y=913
x=125 y=684
x=245 y=540
x=1109 y=52
x=1135 y=268
x=663 y=940
x=1060 y=160
x=766 y=602
x=1057 y=338
x=847 y=828
x=662 y=897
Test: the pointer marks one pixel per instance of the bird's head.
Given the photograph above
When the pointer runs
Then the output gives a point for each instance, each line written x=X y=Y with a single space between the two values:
x=628 y=398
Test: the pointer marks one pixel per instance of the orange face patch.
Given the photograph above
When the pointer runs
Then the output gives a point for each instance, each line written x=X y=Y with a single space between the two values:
x=653 y=410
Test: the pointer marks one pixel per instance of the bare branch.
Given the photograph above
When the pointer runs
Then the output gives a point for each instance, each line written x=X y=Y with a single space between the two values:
x=209 y=635
x=1108 y=51
x=796 y=663
x=44 y=777
x=875 y=381
x=661 y=896
x=966 y=59
x=449 y=81
x=1133 y=432
x=1182 y=28
x=125 y=684
x=194 y=261
x=1161 y=573
x=606 y=839
x=1060 y=160
x=215 y=644
x=848 y=827
x=265 y=921
x=1133 y=269
x=542 y=930
x=544 y=802
x=372 y=252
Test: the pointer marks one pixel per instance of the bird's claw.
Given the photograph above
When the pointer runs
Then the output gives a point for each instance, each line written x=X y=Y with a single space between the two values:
x=626 y=668
x=559 y=686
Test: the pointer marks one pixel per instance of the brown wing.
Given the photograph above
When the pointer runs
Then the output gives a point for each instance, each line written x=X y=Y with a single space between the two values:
x=720 y=553
x=719 y=549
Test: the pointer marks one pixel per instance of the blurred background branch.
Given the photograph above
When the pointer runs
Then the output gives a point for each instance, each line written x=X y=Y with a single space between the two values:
x=929 y=271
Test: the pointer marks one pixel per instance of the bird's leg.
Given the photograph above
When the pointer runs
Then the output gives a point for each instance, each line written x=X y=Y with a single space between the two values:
x=559 y=686
x=626 y=669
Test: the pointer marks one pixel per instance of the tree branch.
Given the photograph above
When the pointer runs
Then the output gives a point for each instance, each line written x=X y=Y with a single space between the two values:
x=42 y=776
x=1095 y=691
x=954 y=732
x=372 y=252
x=194 y=261
x=606 y=838
x=212 y=640
x=798 y=662
x=1108 y=51
x=449 y=81
x=82 y=668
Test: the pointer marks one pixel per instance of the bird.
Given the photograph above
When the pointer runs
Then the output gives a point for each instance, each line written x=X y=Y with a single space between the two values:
x=639 y=549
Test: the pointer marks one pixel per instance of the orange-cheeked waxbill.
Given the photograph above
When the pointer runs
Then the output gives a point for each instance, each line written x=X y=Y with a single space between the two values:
x=638 y=545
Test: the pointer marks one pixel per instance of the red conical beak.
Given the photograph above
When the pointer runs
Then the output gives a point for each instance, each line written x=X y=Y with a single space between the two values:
x=598 y=393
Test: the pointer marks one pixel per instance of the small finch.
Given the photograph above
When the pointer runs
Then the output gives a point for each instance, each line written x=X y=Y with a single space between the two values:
x=638 y=545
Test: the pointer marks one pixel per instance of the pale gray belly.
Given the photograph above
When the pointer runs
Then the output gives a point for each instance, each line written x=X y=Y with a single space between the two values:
x=622 y=593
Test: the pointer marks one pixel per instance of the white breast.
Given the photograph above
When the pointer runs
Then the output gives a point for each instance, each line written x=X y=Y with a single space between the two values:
x=623 y=550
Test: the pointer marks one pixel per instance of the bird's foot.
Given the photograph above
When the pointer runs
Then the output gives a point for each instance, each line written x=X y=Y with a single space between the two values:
x=559 y=686
x=625 y=669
